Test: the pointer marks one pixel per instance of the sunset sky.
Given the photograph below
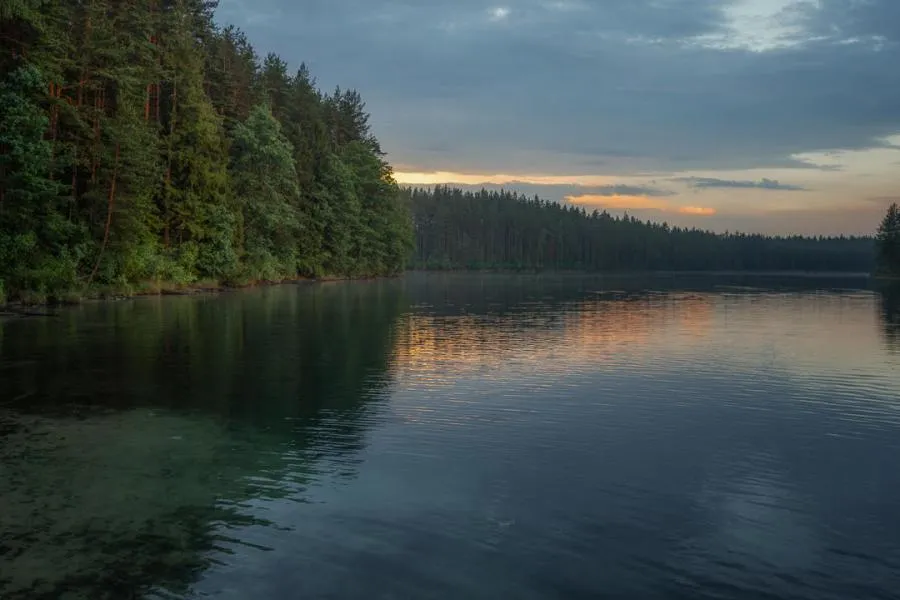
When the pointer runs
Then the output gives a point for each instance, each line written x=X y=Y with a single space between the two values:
x=780 y=116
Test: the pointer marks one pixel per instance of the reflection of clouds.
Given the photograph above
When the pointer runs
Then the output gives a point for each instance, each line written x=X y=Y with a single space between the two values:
x=738 y=329
x=725 y=336
x=585 y=333
x=789 y=331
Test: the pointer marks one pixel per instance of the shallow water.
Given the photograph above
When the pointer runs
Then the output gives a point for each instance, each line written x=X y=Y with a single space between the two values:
x=458 y=436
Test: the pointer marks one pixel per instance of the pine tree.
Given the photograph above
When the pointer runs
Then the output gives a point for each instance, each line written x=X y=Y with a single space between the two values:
x=39 y=248
x=888 y=241
x=231 y=76
x=135 y=148
x=265 y=184
x=198 y=211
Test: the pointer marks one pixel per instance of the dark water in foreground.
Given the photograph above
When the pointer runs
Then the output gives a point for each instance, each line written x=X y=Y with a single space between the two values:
x=457 y=437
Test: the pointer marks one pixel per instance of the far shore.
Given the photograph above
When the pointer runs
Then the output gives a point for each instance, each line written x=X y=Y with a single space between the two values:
x=37 y=305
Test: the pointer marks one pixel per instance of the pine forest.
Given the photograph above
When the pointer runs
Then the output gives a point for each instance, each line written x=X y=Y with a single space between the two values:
x=456 y=229
x=142 y=145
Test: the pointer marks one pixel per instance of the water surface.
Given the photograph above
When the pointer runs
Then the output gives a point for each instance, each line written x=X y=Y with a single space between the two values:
x=458 y=437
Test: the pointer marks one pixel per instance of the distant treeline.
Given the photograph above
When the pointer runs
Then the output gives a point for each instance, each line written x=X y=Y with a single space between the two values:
x=141 y=143
x=503 y=230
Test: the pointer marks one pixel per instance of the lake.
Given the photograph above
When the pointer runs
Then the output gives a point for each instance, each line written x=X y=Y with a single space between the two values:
x=458 y=436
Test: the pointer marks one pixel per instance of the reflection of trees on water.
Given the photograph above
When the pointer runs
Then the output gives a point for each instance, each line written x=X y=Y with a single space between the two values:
x=890 y=314
x=137 y=433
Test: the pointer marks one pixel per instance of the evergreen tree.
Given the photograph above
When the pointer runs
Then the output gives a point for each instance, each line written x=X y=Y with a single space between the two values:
x=198 y=211
x=888 y=241
x=231 y=76
x=265 y=184
x=136 y=150
x=39 y=247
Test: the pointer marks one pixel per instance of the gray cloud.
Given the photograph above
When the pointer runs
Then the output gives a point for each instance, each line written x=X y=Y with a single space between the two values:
x=762 y=184
x=623 y=85
x=853 y=21
x=622 y=190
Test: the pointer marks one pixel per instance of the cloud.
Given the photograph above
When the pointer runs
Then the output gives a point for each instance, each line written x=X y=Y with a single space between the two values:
x=500 y=13
x=474 y=179
x=632 y=73
x=703 y=211
x=762 y=184
x=630 y=190
x=618 y=202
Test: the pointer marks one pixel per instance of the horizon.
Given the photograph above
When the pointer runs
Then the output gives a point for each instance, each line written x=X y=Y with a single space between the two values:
x=771 y=116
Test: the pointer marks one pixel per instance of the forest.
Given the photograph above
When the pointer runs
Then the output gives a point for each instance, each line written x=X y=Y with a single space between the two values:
x=504 y=230
x=143 y=145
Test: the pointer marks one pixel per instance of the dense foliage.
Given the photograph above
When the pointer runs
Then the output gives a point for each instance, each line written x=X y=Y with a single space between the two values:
x=888 y=242
x=456 y=229
x=141 y=143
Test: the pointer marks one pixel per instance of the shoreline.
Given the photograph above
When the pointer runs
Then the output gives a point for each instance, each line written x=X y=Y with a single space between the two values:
x=39 y=306
x=623 y=274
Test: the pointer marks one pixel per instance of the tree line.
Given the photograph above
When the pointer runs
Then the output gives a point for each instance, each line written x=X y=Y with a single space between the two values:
x=140 y=142
x=456 y=229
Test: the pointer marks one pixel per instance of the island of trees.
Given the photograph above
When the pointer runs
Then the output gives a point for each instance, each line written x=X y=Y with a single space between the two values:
x=888 y=243
x=503 y=230
x=141 y=144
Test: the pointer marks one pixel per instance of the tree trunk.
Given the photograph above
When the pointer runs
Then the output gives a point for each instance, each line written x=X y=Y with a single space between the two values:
x=55 y=91
x=110 y=205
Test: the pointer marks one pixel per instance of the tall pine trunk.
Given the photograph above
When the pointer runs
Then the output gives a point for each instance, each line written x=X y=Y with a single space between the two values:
x=110 y=206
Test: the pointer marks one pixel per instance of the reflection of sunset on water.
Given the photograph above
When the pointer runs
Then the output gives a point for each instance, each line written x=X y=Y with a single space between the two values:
x=588 y=332
x=611 y=330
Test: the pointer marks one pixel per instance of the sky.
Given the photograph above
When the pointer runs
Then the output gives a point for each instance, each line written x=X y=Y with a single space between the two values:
x=780 y=116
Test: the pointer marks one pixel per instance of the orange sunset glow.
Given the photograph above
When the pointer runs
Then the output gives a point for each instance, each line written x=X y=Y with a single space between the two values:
x=450 y=178
x=702 y=211
x=618 y=201
x=624 y=202
x=597 y=331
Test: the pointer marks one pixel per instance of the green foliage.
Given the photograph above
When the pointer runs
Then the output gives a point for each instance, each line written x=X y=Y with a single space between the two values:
x=39 y=248
x=265 y=184
x=142 y=146
x=887 y=241
x=501 y=230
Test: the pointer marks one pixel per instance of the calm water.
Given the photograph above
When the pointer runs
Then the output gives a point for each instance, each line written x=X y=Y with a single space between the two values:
x=457 y=437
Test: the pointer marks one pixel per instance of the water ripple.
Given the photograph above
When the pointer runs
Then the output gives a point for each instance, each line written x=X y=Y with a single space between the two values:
x=456 y=438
